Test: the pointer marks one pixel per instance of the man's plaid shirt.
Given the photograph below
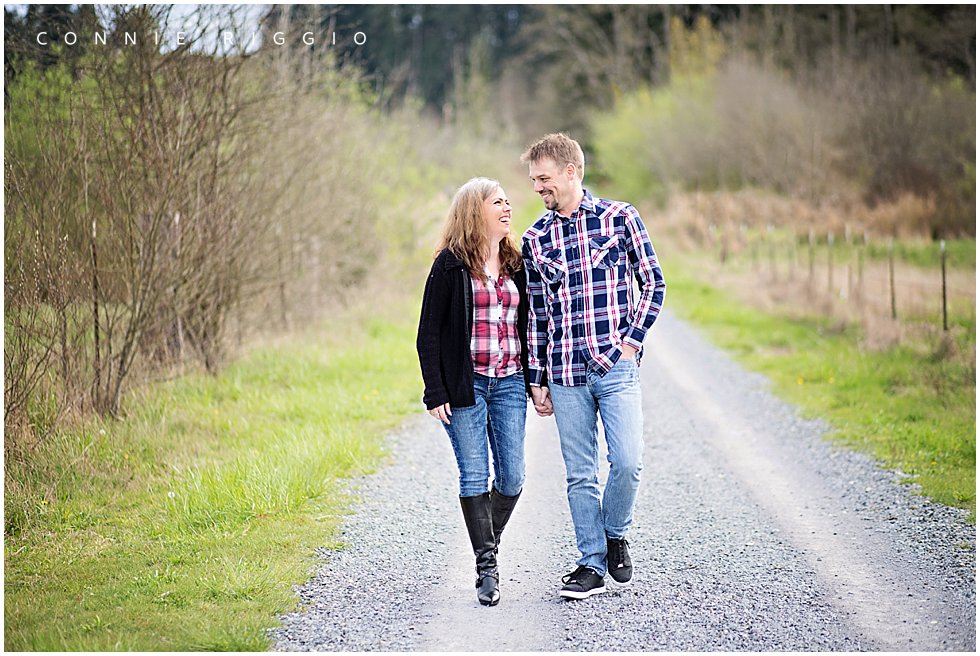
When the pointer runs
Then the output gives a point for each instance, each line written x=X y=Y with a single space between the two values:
x=584 y=306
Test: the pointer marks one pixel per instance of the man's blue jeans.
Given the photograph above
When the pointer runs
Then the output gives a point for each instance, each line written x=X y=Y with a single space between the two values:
x=495 y=425
x=616 y=397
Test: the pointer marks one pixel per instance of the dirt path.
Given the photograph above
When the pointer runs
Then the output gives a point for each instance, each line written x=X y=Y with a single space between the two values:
x=751 y=533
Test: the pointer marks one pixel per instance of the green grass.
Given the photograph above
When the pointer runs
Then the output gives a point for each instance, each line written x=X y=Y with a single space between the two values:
x=912 y=407
x=186 y=525
x=960 y=253
x=921 y=253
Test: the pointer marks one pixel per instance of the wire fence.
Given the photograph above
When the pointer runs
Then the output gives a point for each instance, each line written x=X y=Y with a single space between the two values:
x=853 y=275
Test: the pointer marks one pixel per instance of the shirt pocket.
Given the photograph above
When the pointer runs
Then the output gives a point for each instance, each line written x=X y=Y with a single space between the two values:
x=604 y=251
x=552 y=266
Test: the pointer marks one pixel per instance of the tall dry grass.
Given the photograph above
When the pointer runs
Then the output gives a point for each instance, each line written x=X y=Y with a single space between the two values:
x=757 y=246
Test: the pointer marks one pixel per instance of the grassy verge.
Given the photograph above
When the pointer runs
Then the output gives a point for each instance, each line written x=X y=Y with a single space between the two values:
x=959 y=253
x=912 y=407
x=185 y=526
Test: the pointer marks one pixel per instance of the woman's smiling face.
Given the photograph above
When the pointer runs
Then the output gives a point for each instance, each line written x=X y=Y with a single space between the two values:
x=496 y=212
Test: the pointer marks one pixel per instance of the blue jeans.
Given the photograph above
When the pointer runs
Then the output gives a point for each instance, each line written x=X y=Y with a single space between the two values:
x=616 y=397
x=495 y=425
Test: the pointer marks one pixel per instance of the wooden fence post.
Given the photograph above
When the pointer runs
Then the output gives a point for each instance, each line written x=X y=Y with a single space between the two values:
x=942 y=260
x=792 y=257
x=723 y=249
x=179 y=323
x=891 y=274
x=860 y=283
x=96 y=329
x=282 y=279
x=772 y=253
x=811 y=254
x=830 y=262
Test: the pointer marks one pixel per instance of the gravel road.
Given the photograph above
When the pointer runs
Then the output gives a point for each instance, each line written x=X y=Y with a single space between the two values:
x=751 y=533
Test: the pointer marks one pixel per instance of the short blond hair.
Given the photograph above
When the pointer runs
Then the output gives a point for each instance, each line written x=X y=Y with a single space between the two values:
x=558 y=147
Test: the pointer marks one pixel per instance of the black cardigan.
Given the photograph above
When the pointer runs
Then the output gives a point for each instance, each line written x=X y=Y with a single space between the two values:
x=445 y=329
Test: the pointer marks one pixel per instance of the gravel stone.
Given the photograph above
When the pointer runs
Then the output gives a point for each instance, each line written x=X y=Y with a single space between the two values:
x=751 y=533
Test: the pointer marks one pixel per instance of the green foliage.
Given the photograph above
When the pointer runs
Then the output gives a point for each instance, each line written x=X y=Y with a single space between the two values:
x=186 y=526
x=960 y=253
x=865 y=130
x=22 y=24
x=911 y=407
x=427 y=44
x=694 y=52
x=36 y=95
x=644 y=144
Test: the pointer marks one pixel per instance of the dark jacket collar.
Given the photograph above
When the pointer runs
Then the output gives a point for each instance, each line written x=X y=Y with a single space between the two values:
x=450 y=261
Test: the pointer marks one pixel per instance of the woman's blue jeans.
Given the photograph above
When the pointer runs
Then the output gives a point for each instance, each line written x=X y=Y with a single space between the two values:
x=616 y=398
x=494 y=426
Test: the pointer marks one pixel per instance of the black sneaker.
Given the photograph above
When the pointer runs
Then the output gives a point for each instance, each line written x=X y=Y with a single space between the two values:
x=582 y=584
x=618 y=561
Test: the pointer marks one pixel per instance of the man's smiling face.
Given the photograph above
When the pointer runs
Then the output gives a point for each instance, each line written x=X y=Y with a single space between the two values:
x=557 y=186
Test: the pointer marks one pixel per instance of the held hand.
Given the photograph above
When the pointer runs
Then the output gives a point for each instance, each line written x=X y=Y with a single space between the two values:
x=442 y=413
x=541 y=397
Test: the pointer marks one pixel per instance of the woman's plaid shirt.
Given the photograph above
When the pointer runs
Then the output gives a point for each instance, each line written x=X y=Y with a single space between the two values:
x=584 y=306
x=495 y=345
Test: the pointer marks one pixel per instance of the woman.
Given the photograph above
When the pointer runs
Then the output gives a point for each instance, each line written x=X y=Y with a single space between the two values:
x=472 y=344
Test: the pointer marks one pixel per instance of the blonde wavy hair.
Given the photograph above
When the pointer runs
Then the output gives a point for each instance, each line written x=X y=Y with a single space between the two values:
x=465 y=232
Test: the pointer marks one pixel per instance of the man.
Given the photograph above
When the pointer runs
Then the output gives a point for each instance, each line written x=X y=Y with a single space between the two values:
x=586 y=328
